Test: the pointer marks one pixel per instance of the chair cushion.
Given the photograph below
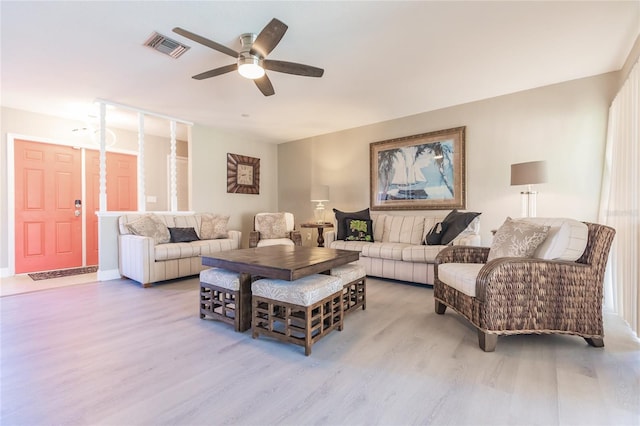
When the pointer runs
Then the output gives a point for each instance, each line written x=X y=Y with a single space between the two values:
x=151 y=226
x=304 y=292
x=276 y=242
x=271 y=225
x=461 y=276
x=566 y=240
x=221 y=278
x=517 y=238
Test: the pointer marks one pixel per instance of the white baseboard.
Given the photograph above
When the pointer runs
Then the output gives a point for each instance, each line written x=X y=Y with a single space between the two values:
x=110 y=274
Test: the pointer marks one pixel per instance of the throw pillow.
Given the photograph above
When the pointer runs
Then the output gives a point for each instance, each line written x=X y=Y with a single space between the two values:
x=434 y=237
x=213 y=226
x=340 y=220
x=359 y=230
x=183 y=235
x=271 y=225
x=456 y=222
x=150 y=226
x=516 y=238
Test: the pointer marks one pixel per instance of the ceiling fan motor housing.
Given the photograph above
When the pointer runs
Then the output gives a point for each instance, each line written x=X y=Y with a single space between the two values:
x=249 y=64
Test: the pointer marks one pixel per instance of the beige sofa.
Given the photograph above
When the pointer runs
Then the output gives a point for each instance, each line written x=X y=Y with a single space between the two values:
x=397 y=251
x=149 y=257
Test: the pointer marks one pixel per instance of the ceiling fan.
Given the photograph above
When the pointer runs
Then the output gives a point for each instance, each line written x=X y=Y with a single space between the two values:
x=252 y=59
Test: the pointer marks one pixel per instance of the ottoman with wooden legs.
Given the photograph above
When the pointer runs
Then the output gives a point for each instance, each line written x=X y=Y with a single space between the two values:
x=300 y=312
x=354 y=283
x=226 y=296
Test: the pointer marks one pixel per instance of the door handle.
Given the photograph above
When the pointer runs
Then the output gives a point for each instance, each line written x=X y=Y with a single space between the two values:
x=77 y=213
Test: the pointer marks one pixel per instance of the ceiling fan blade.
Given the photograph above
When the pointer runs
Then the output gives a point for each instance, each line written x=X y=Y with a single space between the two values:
x=269 y=38
x=293 y=68
x=216 y=71
x=265 y=86
x=206 y=42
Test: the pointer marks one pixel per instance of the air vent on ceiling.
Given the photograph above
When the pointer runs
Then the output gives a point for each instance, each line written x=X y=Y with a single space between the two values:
x=166 y=45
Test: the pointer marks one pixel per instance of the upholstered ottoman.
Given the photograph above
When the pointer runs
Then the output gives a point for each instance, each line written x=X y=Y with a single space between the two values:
x=354 y=282
x=226 y=296
x=299 y=312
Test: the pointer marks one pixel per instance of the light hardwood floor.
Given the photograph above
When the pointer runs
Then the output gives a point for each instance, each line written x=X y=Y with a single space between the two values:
x=114 y=353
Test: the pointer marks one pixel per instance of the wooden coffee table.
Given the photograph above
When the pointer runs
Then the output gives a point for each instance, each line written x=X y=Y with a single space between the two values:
x=279 y=262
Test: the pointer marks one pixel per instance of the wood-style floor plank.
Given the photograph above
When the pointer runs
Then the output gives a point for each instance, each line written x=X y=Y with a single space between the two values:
x=114 y=353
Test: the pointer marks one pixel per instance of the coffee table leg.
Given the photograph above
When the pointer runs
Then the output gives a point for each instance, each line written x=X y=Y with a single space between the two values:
x=244 y=304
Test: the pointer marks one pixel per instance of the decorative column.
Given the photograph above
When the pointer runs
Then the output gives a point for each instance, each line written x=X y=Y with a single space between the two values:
x=173 y=172
x=142 y=202
x=103 y=157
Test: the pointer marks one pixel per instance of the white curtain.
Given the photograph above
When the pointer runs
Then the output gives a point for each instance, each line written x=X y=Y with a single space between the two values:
x=620 y=201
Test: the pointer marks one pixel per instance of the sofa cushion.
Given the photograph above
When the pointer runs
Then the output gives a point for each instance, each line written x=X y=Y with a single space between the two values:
x=213 y=226
x=271 y=225
x=566 y=240
x=461 y=276
x=421 y=253
x=151 y=226
x=392 y=251
x=183 y=235
x=403 y=229
x=348 y=245
x=340 y=220
x=517 y=238
x=359 y=230
x=456 y=222
x=176 y=251
x=378 y=226
x=207 y=247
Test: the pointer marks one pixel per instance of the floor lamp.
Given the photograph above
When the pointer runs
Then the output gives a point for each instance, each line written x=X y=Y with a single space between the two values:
x=529 y=173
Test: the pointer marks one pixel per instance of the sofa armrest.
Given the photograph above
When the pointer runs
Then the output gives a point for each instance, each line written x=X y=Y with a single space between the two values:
x=236 y=236
x=462 y=254
x=136 y=255
x=329 y=237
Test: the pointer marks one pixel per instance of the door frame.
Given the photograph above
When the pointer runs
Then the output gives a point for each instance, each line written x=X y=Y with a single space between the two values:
x=11 y=182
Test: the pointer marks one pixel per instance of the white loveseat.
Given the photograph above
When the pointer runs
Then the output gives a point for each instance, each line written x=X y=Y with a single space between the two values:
x=397 y=251
x=149 y=259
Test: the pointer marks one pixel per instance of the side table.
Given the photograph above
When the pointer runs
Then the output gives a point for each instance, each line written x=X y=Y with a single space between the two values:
x=320 y=227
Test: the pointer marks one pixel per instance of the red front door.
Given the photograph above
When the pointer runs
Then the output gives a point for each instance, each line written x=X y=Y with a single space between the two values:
x=48 y=231
x=121 y=189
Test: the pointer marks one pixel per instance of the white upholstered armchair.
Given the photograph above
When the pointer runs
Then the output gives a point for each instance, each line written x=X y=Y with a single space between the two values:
x=274 y=229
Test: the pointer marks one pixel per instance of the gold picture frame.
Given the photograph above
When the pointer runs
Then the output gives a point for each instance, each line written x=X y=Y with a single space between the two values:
x=420 y=172
x=243 y=174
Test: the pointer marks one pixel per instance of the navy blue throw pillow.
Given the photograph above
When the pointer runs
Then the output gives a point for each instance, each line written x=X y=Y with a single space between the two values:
x=183 y=235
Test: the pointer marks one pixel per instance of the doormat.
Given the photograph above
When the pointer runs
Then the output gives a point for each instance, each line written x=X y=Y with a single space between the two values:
x=37 y=276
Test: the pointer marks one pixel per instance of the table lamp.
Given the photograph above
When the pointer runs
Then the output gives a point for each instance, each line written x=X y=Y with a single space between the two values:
x=529 y=174
x=319 y=194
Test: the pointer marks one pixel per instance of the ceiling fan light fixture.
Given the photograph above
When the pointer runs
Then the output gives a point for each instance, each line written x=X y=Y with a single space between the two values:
x=249 y=67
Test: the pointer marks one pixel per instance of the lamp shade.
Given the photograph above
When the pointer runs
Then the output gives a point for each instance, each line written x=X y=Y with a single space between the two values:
x=319 y=193
x=529 y=173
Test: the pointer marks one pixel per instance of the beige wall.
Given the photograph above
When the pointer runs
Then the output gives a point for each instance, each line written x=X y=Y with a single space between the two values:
x=564 y=124
x=208 y=153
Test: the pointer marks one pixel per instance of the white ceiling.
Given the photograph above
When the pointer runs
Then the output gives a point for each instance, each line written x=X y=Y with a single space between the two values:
x=382 y=60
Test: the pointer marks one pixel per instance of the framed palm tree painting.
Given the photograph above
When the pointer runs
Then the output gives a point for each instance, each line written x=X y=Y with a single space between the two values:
x=420 y=172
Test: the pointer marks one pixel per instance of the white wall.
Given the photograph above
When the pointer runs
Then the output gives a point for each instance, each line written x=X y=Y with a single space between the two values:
x=564 y=124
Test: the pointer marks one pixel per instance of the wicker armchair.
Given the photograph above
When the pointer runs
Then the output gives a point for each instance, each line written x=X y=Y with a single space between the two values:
x=257 y=236
x=531 y=296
